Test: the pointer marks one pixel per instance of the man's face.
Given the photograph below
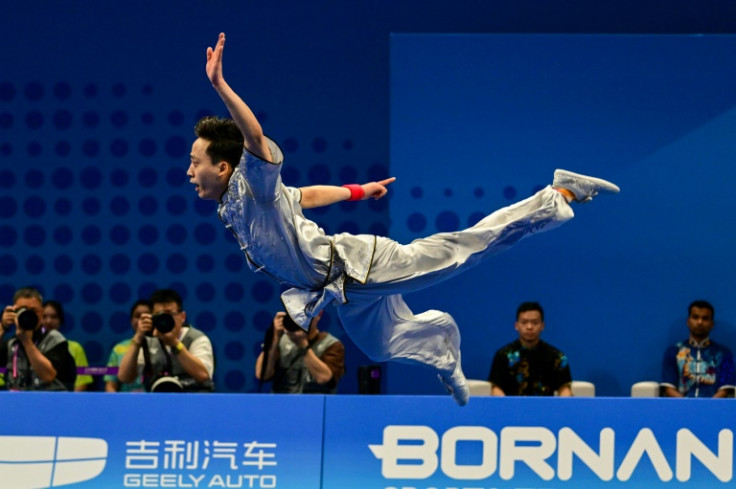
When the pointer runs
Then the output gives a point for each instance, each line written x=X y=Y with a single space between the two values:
x=529 y=324
x=173 y=309
x=700 y=322
x=297 y=337
x=30 y=303
x=209 y=180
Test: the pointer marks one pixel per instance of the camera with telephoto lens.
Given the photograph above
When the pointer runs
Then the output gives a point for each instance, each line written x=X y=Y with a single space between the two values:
x=163 y=322
x=27 y=318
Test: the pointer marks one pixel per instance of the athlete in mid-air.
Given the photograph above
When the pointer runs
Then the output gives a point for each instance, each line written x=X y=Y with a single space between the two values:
x=233 y=163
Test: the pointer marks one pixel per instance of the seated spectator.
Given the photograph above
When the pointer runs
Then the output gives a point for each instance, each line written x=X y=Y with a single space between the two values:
x=169 y=353
x=53 y=318
x=36 y=358
x=300 y=362
x=112 y=383
x=698 y=366
x=529 y=366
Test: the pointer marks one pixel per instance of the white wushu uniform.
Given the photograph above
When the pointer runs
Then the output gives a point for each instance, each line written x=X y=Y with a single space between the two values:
x=365 y=275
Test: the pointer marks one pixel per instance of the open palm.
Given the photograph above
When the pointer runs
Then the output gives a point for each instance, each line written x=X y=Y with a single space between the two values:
x=214 y=61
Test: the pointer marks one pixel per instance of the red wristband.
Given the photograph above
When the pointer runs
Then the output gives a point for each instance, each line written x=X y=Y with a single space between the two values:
x=356 y=191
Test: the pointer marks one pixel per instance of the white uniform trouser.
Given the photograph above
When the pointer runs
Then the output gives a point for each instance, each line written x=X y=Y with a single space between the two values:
x=381 y=324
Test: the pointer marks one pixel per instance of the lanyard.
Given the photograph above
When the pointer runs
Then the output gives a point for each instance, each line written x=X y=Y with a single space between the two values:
x=16 y=348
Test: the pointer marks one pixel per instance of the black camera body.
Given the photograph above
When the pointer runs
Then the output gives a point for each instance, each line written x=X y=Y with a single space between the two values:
x=290 y=325
x=163 y=322
x=27 y=318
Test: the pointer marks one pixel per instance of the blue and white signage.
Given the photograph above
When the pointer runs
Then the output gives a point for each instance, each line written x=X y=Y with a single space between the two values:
x=98 y=440
x=430 y=443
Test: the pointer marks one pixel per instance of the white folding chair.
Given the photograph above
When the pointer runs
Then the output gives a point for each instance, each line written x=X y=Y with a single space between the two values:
x=645 y=389
x=581 y=388
x=479 y=387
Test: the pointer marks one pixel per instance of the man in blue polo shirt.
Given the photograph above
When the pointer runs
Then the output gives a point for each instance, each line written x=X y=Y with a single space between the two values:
x=698 y=366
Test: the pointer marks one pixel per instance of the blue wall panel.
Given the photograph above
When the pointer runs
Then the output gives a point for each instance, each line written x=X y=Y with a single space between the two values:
x=651 y=113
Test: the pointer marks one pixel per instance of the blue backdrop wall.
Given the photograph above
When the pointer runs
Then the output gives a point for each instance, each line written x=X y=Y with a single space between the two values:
x=652 y=113
x=97 y=102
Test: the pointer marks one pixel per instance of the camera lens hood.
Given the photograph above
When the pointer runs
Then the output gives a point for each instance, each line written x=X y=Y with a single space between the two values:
x=163 y=322
x=27 y=318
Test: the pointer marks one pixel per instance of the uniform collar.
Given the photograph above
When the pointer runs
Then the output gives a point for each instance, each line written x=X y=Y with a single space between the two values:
x=703 y=344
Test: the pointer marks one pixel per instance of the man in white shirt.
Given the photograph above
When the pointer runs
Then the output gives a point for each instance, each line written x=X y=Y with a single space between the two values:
x=168 y=353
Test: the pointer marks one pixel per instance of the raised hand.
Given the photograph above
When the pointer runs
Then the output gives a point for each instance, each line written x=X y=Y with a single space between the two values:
x=145 y=325
x=376 y=190
x=8 y=317
x=214 y=61
x=278 y=324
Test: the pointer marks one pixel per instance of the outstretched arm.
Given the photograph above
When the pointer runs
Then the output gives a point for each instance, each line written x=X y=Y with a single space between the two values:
x=254 y=141
x=321 y=195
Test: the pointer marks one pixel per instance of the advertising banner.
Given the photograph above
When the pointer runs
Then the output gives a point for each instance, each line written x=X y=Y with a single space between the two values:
x=100 y=440
x=428 y=442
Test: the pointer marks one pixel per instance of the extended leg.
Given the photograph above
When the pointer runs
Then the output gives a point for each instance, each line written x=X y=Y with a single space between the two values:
x=381 y=324
x=402 y=268
x=424 y=262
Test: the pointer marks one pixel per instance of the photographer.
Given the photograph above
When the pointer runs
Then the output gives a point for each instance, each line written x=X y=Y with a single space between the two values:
x=300 y=362
x=112 y=383
x=36 y=358
x=170 y=355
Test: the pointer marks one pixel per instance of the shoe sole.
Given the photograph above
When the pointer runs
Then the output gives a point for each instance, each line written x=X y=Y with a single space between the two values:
x=604 y=185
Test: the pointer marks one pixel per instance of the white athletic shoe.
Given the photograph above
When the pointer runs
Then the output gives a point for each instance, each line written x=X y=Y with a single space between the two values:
x=456 y=384
x=584 y=187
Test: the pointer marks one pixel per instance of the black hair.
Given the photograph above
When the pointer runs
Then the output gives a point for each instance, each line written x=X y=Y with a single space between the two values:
x=226 y=140
x=139 y=302
x=701 y=304
x=163 y=296
x=529 y=306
